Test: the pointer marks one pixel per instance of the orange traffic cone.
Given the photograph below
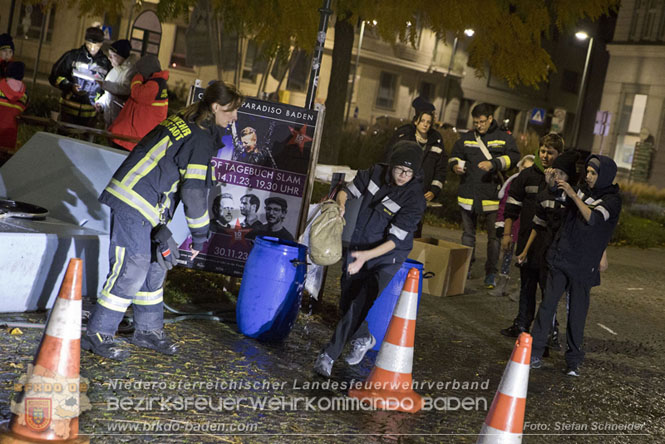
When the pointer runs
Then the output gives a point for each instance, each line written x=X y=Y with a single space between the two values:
x=47 y=408
x=505 y=420
x=390 y=385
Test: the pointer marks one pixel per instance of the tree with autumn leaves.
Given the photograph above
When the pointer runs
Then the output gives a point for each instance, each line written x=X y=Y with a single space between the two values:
x=508 y=38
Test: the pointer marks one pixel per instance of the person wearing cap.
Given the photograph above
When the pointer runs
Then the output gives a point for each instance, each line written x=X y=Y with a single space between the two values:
x=116 y=85
x=13 y=101
x=577 y=256
x=170 y=164
x=480 y=157
x=78 y=73
x=435 y=159
x=222 y=213
x=391 y=206
x=6 y=52
x=275 y=208
x=148 y=102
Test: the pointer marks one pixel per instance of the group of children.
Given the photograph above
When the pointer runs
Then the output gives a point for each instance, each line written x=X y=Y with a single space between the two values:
x=560 y=243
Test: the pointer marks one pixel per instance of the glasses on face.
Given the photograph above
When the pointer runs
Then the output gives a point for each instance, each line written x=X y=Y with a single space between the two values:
x=406 y=172
x=482 y=122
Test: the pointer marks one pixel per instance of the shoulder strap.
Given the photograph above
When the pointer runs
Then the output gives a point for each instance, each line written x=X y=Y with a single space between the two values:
x=483 y=148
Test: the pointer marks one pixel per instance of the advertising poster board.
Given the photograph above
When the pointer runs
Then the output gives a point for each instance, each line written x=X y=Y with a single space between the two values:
x=261 y=178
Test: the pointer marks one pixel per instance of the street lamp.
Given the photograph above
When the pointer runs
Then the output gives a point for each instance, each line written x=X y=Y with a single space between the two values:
x=469 y=33
x=581 y=35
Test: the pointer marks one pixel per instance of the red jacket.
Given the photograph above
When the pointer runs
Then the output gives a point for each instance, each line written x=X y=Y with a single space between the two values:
x=12 y=103
x=146 y=107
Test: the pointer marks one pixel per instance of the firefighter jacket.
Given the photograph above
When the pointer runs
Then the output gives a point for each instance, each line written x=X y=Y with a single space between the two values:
x=146 y=107
x=387 y=212
x=579 y=245
x=435 y=159
x=78 y=67
x=171 y=163
x=12 y=103
x=478 y=189
x=521 y=203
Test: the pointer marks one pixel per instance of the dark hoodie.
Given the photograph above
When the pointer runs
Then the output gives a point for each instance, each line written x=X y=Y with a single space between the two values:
x=579 y=245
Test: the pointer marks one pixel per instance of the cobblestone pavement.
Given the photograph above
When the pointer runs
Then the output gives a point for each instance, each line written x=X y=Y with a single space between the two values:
x=620 y=396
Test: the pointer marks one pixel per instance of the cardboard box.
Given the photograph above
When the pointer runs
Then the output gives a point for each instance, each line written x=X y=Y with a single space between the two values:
x=447 y=260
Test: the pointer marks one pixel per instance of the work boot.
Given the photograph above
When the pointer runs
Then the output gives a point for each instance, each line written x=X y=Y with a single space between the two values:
x=513 y=331
x=489 y=281
x=360 y=347
x=103 y=345
x=501 y=285
x=553 y=340
x=536 y=362
x=323 y=365
x=154 y=340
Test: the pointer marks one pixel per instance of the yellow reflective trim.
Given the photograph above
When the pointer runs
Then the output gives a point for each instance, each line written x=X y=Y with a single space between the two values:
x=196 y=171
x=490 y=202
x=463 y=200
x=149 y=161
x=59 y=80
x=150 y=302
x=470 y=143
x=454 y=159
x=167 y=195
x=160 y=104
x=11 y=105
x=117 y=266
x=138 y=82
x=507 y=159
x=496 y=142
x=199 y=221
x=133 y=200
x=113 y=302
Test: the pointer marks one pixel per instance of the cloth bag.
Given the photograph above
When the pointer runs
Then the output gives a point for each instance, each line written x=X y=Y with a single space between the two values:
x=325 y=235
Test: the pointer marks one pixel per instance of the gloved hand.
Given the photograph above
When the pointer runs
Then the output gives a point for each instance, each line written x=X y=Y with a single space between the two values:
x=166 y=249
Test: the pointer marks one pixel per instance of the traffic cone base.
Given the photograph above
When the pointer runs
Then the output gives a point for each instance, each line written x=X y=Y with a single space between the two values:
x=389 y=385
x=48 y=405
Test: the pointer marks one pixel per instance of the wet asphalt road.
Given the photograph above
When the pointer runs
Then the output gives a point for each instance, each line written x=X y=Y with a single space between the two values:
x=619 y=398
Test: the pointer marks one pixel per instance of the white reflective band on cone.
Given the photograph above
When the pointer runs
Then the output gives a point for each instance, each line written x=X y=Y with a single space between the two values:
x=490 y=435
x=407 y=306
x=513 y=383
x=65 y=319
x=395 y=358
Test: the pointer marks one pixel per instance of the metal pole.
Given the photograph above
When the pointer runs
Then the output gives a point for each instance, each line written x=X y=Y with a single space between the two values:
x=318 y=54
x=11 y=16
x=580 y=97
x=355 y=71
x=42 y=33
x=446 y=80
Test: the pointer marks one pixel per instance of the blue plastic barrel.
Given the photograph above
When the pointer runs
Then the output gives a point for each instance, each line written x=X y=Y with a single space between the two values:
x=271 y=288
x=381 y=312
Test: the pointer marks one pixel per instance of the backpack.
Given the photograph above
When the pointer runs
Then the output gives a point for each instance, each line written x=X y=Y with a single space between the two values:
x=325 y=235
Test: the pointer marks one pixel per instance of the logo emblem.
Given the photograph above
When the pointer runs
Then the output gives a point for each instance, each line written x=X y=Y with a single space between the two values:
x=38 y=413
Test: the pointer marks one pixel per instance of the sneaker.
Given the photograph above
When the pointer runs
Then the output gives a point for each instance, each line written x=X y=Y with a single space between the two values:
x=323 y=365
x=489 y=281
x=572 y=371
x=536 y=362
x=360 y=347
x=501 y=284
x=513 y=331
x=553 y=341
x=154 y=340
x=103 y=345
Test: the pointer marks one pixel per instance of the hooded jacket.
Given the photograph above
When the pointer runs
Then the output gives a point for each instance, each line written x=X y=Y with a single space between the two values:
x=171 y=163
x=478 y=189
x=78 y=67
x=387 y=212
x=117 y=88
x=579 y=245
x=12 y=103
x=435 y=159
x=146 y=107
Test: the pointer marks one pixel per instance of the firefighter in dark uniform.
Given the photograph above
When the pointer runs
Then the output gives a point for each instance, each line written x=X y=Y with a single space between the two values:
x=577 y=256
x=171 y=163
x=481 y=180
x=76 y=74
x=392 y=204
